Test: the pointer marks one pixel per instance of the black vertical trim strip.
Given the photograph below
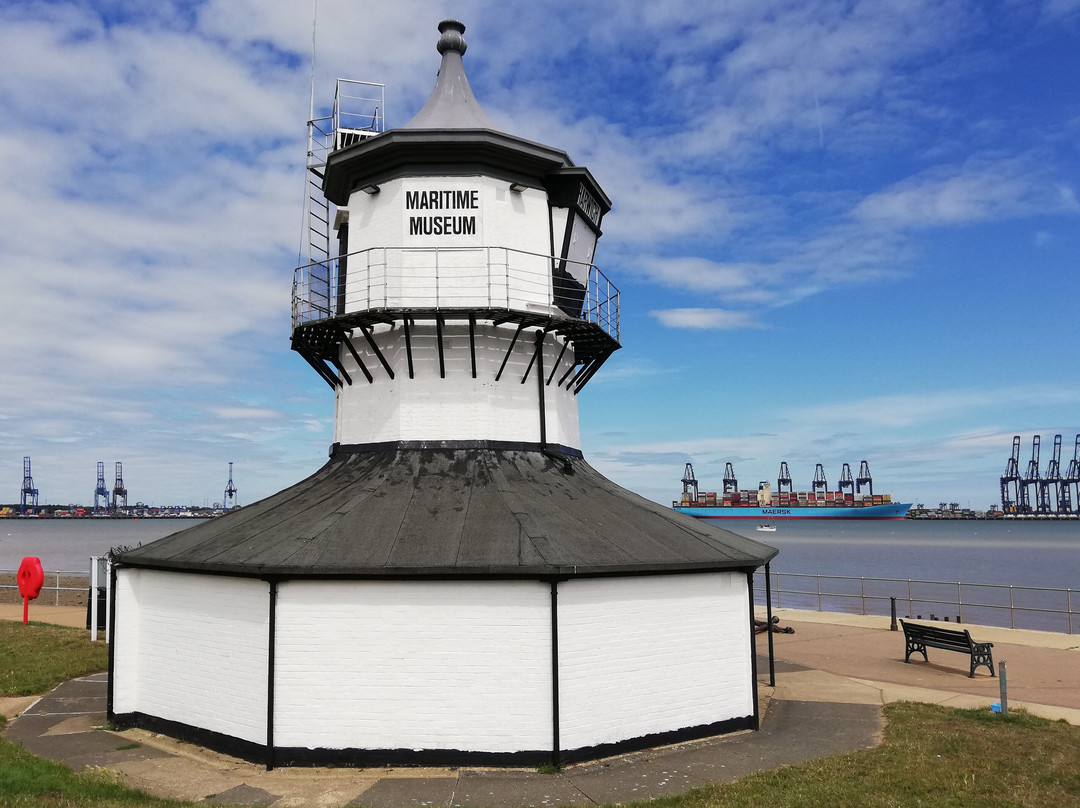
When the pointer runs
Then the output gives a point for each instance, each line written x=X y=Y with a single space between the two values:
x=753 y=650
x=408 y=345
x=271 y=642
x=556 y=752
x=111 y=640
x=439 y=335
x=472 y=342
x=768 y=622
x=539 y=357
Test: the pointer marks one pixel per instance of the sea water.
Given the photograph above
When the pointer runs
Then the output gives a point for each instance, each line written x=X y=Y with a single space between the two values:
x=1019 y=573
x=1008 y=552
x=66 y=545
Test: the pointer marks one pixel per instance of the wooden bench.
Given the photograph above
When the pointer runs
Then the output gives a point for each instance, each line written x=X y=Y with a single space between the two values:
x=918 y=637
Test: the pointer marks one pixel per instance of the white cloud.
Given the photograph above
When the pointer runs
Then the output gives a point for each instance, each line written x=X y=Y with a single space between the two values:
x=705 y=319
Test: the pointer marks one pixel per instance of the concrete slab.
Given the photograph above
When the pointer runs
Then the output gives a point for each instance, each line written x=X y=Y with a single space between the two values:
x=404 y=792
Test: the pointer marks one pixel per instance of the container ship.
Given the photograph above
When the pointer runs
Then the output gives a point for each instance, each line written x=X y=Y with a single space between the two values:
x=850 y=501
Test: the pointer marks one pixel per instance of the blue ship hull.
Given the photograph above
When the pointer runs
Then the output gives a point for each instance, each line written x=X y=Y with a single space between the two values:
x=773 y=512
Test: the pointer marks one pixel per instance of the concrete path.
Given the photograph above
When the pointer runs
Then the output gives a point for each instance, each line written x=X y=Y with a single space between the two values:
x=832 y=676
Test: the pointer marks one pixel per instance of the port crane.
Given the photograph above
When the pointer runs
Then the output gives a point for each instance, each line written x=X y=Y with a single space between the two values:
x=1030 y=477
x=689 y=483
x=119 y=492
x=783 y=480
x=846 y=481
x=28 y=496
x=819 y=483
x=101 y=493
x=1010 y=480
x=1051 y=477
x=731 y=485
x=228 y=501
x=864 y=478
x=1070 y=481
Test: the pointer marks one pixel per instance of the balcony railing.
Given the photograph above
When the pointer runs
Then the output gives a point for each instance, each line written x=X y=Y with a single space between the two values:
x=443 y=278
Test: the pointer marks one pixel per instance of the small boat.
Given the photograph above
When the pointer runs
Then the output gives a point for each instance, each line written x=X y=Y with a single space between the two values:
x=766 y=528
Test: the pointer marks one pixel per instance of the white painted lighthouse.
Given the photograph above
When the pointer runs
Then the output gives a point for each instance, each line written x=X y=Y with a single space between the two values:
x=464 y=305
x=456 y=584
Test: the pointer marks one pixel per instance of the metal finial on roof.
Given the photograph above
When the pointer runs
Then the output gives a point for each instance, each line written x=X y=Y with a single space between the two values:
x=452 y=38
x=452 y=104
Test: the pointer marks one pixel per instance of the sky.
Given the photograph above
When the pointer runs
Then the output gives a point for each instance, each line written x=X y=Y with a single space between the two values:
x=842 y=230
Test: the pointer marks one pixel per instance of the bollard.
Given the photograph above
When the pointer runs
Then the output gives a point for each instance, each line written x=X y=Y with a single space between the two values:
x=892 y=610
x=1003 y=678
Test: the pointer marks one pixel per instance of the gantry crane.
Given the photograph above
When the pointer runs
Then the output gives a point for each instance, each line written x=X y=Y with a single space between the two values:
x=783 y=480
x=864 y=478
x=689 y=483
x=119 y=492
x=1010 y=480
x=101 y=493
x=1051 y=477
x=731 y=485
x=1030 y=477
x=28 y=496
x=819 y=483
x=1070 y=481
x=228 y=501
x=846 y=481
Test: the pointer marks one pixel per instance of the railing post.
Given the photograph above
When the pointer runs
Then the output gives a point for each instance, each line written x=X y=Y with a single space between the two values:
x=862 y=593
x=910 y=609
x=818 y=578
x=1012 y=610
x=93 y=597
x=960 y=601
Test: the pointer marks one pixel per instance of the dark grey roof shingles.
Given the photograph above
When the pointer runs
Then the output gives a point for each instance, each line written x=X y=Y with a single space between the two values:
x=452 y=512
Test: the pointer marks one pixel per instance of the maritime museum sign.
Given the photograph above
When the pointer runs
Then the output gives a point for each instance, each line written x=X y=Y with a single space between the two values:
x=442 y=212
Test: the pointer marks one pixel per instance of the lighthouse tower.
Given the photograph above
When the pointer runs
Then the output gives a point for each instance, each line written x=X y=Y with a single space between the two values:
x=457 y=584
x=464 y=305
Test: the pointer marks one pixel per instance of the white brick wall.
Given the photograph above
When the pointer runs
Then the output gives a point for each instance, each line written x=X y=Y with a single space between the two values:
x=414 y=665
x=457 y=407
x=652 y=654
x=192 y=649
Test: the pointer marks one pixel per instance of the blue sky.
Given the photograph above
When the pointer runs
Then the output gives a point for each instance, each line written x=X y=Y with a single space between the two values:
x=842 y=230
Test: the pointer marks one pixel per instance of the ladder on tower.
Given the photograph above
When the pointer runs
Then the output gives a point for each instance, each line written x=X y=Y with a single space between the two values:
x=359 y=113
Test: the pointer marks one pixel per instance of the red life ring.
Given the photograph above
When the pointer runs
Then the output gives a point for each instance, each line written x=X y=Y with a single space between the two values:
x=31 y=577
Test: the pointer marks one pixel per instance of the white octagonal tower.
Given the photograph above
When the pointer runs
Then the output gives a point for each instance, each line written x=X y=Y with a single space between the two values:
x=456 y=585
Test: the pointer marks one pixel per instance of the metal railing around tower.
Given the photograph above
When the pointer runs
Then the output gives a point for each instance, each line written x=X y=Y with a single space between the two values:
x=403 y=278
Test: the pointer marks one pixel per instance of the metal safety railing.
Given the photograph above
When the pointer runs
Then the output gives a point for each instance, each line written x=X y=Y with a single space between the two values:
x=56 y=582
x=454 y=278
x=1027 y=607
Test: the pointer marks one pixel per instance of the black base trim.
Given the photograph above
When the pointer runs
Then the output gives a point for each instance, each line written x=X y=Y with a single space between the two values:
x=658 y=739
x=217 y=741
x=338 y=449
x=365 y=758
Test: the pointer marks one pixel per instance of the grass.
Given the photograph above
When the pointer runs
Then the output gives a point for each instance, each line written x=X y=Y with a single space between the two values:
x=931 y=756
x=37 y=657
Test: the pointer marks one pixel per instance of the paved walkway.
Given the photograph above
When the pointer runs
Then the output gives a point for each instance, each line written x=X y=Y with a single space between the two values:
x=832 y=676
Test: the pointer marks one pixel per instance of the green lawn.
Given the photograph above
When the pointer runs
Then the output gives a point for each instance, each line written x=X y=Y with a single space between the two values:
x=931 y=756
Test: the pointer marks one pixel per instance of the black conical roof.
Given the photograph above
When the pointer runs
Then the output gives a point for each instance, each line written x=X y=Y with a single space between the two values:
x=464 y=512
